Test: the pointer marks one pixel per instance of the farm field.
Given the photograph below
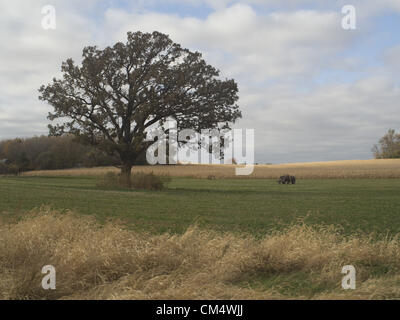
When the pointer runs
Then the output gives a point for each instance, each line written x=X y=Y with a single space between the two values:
x=158 y=151
x=228 y=238
x=381 y=168
x=240 y=205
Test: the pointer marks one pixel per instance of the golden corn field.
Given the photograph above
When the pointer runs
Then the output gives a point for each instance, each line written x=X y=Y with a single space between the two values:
x=382 y=168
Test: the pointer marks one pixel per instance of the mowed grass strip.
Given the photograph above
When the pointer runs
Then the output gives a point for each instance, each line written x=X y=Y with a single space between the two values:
x=254 y=206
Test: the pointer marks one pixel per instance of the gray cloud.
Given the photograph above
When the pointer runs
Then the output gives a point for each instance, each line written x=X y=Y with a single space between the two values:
x=277 y=57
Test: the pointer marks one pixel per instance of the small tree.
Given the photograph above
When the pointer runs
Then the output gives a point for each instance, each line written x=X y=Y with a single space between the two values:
x=388 y=147
x=117 y=93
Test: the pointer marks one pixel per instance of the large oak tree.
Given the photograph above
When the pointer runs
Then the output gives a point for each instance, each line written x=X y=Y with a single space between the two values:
x=117 y=93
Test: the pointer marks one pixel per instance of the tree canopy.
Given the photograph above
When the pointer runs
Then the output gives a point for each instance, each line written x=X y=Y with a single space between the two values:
x=49 y=153
x=117 y=93
x=388 y=147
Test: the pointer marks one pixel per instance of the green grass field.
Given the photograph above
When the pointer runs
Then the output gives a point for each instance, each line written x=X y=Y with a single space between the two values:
x=251 y=205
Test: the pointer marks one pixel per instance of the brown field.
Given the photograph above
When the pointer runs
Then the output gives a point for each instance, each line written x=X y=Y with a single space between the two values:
x=95 y=261
x=387 y=168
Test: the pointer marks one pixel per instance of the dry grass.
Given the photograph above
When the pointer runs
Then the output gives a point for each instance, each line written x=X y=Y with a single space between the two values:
x=387 y=168
x=109 y=262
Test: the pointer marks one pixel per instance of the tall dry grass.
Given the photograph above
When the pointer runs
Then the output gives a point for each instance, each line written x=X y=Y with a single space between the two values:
x=95 y=261
x=382 y=168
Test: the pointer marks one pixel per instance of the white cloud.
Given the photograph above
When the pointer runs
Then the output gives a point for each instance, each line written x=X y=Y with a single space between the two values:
x=31 y=56
x=241 y=41
x=338 y=121
x=278 y=57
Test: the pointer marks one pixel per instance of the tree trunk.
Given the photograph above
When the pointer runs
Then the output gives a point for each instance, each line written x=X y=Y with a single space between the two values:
x=126 y=175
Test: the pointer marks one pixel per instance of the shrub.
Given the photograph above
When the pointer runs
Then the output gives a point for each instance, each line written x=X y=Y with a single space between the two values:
x=139 y=180
x=8 y=169
x=149 y=181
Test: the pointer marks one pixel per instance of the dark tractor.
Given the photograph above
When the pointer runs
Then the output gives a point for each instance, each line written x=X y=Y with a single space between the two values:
x=287 y=179
x=284 y=179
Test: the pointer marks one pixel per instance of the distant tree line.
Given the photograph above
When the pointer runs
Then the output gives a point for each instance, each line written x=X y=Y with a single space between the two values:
x=48 y=153
x=388 y=146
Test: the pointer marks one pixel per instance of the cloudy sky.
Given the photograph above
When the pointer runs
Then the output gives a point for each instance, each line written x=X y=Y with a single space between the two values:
x=311 y=90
